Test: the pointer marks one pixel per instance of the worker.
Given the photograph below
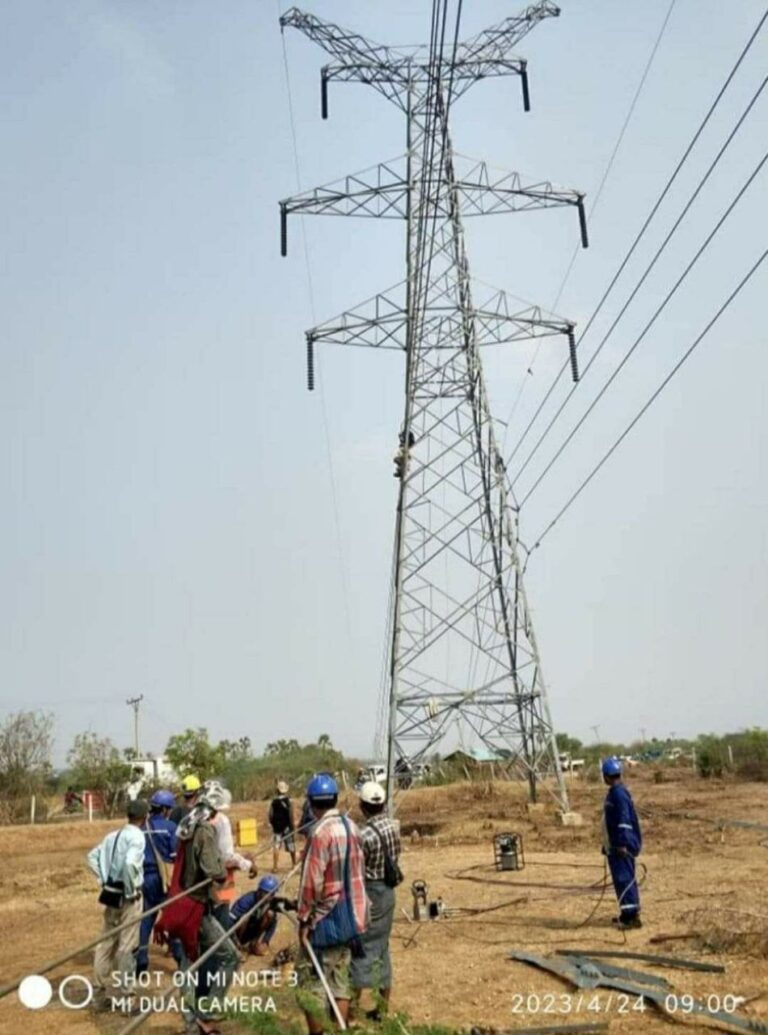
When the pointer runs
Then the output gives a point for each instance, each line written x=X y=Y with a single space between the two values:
x=220 y=798
x=195 y=923
x=118 y=862
x=281 y=821
x=402 y=453
x=159 y=849
x=190 y=788
x=622 y=842
x=332 y=907
x=255 y=933
x=380 y=839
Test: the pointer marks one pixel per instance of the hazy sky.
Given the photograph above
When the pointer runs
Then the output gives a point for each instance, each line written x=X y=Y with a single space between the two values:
x=169 y=524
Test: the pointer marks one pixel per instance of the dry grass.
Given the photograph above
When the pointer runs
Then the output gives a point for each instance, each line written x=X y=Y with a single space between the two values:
x=455 y=972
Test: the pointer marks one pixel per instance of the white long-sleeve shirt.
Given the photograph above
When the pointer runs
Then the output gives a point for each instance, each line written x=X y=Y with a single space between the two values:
x=226 y=844
x=120 y=856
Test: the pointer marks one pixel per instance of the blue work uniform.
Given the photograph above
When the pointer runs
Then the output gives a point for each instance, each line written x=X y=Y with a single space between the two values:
x=252 y=929
x=621 y=829
x=160 y=833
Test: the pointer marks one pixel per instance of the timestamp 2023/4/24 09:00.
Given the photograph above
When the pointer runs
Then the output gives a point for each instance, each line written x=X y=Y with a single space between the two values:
x=622 y=1003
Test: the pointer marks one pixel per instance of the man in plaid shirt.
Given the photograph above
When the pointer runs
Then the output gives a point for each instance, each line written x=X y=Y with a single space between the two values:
x=334 y=842
x=379 y=828
x=380 y=838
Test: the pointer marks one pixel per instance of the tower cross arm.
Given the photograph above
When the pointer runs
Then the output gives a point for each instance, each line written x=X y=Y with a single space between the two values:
x=496 y=43
x=355 y=57
x=380 y=322
x=481 y=194
x=345 y=46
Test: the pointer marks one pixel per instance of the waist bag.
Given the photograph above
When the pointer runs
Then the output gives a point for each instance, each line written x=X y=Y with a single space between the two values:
x=393 y=875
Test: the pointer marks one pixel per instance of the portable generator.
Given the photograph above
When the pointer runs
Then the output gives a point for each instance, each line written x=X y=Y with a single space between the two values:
x=508 y=851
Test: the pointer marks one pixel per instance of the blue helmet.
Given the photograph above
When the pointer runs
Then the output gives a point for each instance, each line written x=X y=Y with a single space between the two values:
x=268 y=884
x=611 y=766
x=162 y=800
x=322 y=789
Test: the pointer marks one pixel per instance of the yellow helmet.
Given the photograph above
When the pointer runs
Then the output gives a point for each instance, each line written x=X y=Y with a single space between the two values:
x=190 y=784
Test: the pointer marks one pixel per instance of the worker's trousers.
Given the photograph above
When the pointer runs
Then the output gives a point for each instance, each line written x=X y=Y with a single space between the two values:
x=153 y=896
x=114 y=961
x=622 y=869
x=211 y=980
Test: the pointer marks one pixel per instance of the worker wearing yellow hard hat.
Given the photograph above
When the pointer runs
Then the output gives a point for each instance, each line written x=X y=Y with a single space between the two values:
x=190 y=787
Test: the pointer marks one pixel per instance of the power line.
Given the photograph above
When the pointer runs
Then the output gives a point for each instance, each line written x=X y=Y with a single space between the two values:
x=644 y=227
x=617 y=145
x=658 y=311
x=638 y=416
x=637 y=287
x=595 y=203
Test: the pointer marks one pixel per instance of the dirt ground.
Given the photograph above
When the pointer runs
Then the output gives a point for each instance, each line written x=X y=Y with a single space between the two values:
x=454 y=970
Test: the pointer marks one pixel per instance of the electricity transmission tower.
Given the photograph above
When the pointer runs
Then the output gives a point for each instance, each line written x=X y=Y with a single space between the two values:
x=462 y=640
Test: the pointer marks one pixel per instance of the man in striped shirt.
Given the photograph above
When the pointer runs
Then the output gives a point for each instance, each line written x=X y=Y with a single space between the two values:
x=332 y=878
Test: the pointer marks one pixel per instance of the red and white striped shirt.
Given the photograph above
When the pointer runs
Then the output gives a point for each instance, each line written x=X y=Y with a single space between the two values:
x=322 y=873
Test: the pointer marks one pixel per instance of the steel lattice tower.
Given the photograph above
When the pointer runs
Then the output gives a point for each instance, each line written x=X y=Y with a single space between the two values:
x=462 y=641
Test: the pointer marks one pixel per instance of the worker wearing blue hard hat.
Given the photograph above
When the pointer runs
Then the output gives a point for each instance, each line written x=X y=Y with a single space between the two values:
x=622 y=842
x=332 y=904
x=159 y=849
x=254 y=934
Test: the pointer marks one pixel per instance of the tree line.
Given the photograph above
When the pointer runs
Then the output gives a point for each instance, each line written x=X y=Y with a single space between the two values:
x=97 y=764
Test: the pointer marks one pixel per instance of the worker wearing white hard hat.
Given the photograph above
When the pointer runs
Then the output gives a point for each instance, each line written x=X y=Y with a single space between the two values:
x=380 y=838
x=283 y=823
x=219 y=798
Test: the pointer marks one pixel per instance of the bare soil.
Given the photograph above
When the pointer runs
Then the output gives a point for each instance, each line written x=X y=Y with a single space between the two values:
x=454 y=970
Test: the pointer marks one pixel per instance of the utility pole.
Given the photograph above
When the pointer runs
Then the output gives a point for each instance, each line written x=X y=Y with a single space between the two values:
x=463 y=644
x=596 y=731
x=134 y=702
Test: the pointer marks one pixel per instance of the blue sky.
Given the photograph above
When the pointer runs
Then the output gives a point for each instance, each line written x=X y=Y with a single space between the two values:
x=179 y=517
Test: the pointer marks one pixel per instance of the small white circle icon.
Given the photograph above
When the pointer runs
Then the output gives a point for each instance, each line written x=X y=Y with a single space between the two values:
x=35 y=992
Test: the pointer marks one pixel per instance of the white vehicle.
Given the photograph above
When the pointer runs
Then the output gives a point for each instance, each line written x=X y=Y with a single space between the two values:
x=571 y=765
x=376 y=772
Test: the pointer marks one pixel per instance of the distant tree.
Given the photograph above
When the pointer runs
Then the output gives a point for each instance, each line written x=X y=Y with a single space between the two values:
x=95 y=764
x=26 y=740
x=282 y=747
x=236 y=750
x=192 y=752
x=567 y=744
x=324 y=742
x=129 y=754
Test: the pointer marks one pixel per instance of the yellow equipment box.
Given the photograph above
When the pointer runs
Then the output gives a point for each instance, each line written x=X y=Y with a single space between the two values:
x=247 y=833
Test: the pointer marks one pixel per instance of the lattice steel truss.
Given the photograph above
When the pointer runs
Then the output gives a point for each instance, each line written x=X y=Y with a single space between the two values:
x=463 y=644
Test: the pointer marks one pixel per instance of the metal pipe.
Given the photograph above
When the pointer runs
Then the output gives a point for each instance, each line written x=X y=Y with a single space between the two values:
x=138 y=1021
x=6 y=989
x=46 y=967
x=283 y=229
x=304 y=941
